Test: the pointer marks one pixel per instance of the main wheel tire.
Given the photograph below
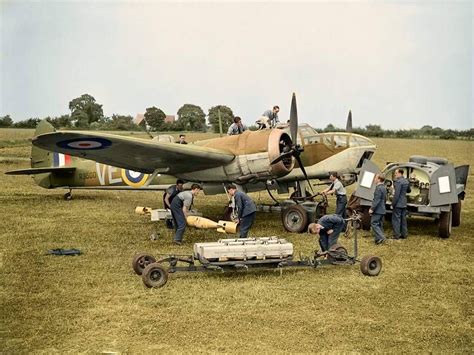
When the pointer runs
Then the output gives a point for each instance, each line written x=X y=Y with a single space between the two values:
x=340 y=253
x=295 y=219
x=365 y=218
x=154 y=275
x=445 y=224
x=141 y=261
x=456 y=210
x=371 y=265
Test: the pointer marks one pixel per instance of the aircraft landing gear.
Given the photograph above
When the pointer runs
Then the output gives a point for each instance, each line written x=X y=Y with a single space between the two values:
x=68 y=195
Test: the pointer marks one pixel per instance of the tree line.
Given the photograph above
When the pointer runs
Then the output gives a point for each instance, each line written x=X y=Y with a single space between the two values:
x=86 y=113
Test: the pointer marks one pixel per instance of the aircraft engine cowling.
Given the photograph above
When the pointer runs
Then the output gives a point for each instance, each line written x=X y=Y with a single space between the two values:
x=257 y=166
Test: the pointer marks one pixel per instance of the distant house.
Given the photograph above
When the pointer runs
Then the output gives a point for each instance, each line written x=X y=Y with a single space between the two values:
x=141 y=116
x=170 y=118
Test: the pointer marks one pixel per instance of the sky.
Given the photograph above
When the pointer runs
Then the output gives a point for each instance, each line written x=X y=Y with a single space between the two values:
x=396 y=64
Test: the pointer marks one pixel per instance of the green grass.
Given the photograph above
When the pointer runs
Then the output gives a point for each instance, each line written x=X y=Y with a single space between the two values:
x=421 y=302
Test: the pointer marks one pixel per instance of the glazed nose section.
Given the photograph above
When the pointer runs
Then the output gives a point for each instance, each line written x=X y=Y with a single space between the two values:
x=360 y=141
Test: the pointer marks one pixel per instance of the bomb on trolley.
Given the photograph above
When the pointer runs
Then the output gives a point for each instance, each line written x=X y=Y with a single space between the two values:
x=228 y=255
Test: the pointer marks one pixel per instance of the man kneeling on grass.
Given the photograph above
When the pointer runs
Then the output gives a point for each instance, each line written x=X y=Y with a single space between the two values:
x=328 y=227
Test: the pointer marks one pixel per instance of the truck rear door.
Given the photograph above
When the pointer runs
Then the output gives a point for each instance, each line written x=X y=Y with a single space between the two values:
x=443 y=186
x=366 y=187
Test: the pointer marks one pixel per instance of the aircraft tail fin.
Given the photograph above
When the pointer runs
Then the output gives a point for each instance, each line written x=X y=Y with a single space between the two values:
x=39 y=157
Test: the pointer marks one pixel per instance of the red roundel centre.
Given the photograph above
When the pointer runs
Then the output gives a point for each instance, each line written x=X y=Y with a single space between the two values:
x=84 y=144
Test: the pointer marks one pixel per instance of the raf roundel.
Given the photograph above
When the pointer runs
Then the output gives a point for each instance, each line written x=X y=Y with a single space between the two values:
x=133 y=178
x=93 y=143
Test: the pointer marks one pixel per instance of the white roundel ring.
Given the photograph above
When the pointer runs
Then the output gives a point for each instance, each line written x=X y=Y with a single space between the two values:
x=92 y=143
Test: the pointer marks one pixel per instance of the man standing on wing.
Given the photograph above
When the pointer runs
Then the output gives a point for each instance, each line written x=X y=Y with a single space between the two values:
x=246 y=209
x=272 y=116
x=377 y=211
x=399 y=205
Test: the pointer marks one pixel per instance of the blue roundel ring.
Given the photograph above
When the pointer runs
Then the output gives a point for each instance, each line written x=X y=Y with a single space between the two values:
x=92 y=143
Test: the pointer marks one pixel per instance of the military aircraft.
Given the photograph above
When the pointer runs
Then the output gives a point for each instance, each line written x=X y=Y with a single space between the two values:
x=279 y=158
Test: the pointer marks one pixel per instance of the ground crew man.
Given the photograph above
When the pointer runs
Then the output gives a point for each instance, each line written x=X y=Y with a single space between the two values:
x=271 y=117
x=180 y=207
x=341 y=198
x=329 y=227
x=171 y=193
x=246 y=209
x=182 y=139
x=399 y=205
x=237 y=127
x=377 y=211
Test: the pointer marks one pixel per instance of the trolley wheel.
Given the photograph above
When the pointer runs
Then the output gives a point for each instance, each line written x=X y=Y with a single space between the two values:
x=141 y=261
x=365 y=218
x=371 y=265
x=456 y=209
x=445 y=223
x=154 y=275
x=337 y=253
x=295 y=219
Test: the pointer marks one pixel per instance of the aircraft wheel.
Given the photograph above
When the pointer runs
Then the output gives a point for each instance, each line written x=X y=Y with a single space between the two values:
x=371 y=265
x=295 y=219
x=456 y=208
x=141 y=261
x=445 y=224
x=154 y=275
x=68 y=196
x=337 y=253
x=365 y=218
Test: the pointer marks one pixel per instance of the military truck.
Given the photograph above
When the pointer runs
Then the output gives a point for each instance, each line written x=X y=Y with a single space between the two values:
x=437 y=190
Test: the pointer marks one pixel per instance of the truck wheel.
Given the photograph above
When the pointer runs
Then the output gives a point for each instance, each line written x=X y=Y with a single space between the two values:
x=365 y=218
x=445 y=223
x=295 y=219
x=140 y=261
x=456 y=209
x=371 y=265
x=154 y=275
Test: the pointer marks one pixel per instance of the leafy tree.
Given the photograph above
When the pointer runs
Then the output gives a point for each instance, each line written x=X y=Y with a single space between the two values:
x=85 y=110
x=29 y=123
x=227 y=117
x=374 y=130
x=155 y=118
x=6 y=121
x=121 y=122
x=191 y=118
x=63 y=121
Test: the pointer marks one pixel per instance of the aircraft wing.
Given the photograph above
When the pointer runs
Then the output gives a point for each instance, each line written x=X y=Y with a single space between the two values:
x=133 y=153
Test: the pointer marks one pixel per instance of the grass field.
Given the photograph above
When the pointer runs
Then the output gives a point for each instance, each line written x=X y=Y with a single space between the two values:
x=421 y=302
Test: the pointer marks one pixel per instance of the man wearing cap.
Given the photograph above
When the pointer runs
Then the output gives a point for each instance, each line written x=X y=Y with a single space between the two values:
x=180 y=207
x=246 y=209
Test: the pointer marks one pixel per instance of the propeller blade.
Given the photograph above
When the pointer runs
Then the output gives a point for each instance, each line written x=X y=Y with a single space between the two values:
x=300 y=163
x=349 y=122
x=293 y=119
x=282 y=156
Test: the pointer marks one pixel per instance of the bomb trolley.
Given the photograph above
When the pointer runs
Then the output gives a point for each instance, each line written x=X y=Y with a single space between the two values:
x=244 y=254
